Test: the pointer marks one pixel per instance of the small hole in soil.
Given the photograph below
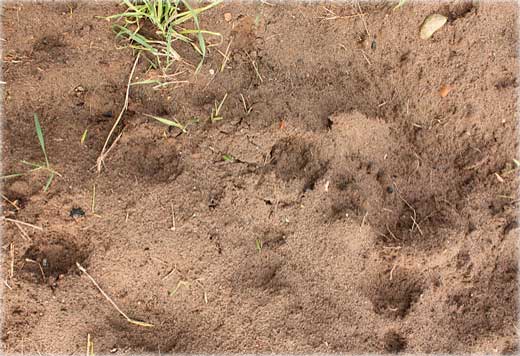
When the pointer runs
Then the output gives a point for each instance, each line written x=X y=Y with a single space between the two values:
x=394 y=294
x=155 y=163
x=294 y=158
x=348 y=198
x=393 y=342
x=51 y=259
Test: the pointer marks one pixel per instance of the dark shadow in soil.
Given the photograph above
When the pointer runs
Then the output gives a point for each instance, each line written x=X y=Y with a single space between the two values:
x=294 y=158
x=392 y=295
x=393 y=342
x=53 y=258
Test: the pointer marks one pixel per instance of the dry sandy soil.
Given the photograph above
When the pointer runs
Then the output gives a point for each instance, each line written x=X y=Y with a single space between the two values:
x=385 y=212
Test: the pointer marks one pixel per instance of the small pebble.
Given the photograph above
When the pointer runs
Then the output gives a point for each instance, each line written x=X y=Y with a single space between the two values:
x=108 y=113
x=228 y=16
x=77 y=213
x=389 y=189
x=445 y=90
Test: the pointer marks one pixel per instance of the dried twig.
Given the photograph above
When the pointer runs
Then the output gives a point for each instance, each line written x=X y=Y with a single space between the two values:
x=414 y=217
x=255 y=67
x=94 y=199
x=226 y=56
x=366 y=57
x=363 y=221
x=22 y=231
x=44 y=278
x=11 y=266
x=90 y=346
x=10 y=202
x=173 y=220
x=104 y=151
x=21 y=222
x=391 y=233
x=130 y=320
x=362 y=15
x=392 y=271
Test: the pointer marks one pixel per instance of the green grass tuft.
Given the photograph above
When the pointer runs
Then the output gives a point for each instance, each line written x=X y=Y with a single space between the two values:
x=168 y=18
x=37 y=166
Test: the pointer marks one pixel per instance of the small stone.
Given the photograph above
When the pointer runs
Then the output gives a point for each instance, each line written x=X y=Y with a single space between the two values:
x=77 y=213
x=389 y=189
x=431 y=25
x=108 y=113
x=79 y=91
x=228 y=17
x=445 y=90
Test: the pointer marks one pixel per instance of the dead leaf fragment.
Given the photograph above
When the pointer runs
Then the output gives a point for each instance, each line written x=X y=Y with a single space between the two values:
x=431 y=24
x=445 y=90
x=228 y=17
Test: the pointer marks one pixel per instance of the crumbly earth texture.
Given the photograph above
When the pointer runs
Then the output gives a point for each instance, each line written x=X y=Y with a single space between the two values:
x=341 y=204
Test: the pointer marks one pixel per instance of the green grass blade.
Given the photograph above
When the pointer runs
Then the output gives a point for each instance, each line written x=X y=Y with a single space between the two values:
x=34 y=165
x=14 y=175
x=143 y=41
x=129 y=4
x=148 y=81
x=84 y=136
x=200 y=37
x=228 y=158
x=123 y=15
x=49 y=181
x=168 y=122
x=159 y=4
x=187 y=15
x=180 y=36
x=39 y=133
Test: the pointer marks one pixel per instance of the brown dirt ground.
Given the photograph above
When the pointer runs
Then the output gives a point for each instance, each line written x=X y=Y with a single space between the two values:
x=347 y=144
